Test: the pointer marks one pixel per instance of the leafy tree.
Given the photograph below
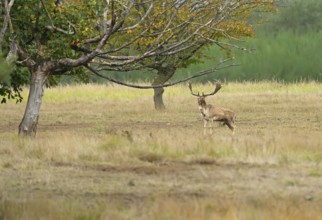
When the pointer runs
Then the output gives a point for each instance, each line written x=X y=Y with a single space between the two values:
x=56 y=37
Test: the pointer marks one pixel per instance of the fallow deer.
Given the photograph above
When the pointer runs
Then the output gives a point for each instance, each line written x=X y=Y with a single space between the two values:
x=212 y=113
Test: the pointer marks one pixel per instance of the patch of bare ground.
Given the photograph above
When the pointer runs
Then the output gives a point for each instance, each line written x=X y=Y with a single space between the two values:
x=92 y=184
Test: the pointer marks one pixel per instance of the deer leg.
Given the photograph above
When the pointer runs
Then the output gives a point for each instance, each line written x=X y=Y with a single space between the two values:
x=231 y=126
x=205 y=122
x=211 y=124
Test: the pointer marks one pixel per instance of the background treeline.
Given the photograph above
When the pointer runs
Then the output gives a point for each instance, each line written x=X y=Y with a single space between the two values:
x=287 y=47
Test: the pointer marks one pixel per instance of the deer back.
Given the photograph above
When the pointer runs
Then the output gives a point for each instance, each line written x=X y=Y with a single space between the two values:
x=221 y=113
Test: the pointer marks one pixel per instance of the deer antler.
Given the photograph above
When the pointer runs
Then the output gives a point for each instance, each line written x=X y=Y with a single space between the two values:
x=218 y=87
x=194 y=94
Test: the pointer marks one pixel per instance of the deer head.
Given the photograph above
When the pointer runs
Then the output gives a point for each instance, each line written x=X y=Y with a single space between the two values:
x=201 y=98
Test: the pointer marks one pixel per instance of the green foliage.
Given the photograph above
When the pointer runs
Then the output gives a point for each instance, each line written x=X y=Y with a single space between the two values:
x=11 y=81
x=286 y=57
x=32 y=21
x=286 y=47
x=4 y=71
x=297 y=16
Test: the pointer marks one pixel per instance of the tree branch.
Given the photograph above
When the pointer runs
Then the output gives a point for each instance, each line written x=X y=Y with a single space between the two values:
x=84 y=59
x=6 y=21
x=141 y=20
x=199 y=74
x=52 y=27
x=8 y=8
x=60 y=30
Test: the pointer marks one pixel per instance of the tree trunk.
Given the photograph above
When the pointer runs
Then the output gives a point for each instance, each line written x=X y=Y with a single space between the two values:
x=158 y=99
x=28 y=125
x=164 y=74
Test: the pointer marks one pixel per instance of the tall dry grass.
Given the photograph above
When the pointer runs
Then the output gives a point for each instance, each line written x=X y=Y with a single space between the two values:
x=276 y=122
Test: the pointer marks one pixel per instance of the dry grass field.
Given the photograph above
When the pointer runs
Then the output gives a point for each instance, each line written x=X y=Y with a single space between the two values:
x=103 y=152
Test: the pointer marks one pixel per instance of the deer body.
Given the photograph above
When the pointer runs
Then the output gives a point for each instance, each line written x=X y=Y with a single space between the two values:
x=212 y=113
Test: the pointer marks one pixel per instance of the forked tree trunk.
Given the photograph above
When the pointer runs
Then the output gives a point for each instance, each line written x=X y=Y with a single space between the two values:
x=164 y=74
x=28 y=125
